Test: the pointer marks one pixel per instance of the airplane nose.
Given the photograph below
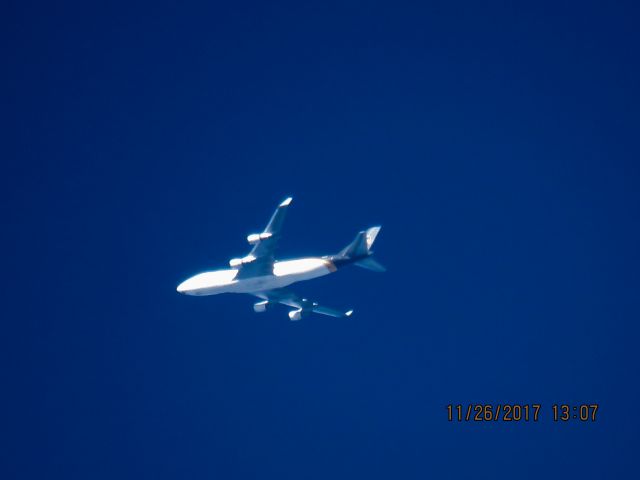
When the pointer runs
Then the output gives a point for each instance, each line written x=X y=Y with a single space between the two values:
x=181 y=288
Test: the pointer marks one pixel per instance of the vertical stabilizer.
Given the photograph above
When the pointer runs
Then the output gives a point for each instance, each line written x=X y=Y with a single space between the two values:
x=359 y=251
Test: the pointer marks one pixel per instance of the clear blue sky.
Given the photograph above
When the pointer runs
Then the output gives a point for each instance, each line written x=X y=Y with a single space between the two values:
x=496 y=144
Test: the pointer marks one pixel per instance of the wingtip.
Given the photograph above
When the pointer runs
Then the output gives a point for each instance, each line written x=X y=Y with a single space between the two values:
x=286 y=202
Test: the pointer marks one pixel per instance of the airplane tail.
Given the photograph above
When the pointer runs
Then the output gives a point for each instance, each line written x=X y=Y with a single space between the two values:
x=359 y=251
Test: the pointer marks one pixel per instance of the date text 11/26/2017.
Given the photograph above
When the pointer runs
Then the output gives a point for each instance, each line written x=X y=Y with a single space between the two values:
x=513 y=412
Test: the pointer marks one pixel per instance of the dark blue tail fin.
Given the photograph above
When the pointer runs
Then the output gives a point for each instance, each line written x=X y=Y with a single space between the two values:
x=359 y=251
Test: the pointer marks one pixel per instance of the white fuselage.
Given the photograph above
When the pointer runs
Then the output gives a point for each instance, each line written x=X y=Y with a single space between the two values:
x=284 y=273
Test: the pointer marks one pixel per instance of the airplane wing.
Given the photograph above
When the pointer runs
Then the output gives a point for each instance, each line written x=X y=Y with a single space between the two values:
x=260 y=259
x=303 y=305
x=265 y=248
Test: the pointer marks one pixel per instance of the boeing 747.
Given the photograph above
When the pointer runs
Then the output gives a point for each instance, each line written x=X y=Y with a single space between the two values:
x=261 y=275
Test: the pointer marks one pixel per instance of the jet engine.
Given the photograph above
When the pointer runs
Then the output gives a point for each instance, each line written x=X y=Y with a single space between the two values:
x=261 y=306
x=295 y=315
x=238 y=262
x=258 y=237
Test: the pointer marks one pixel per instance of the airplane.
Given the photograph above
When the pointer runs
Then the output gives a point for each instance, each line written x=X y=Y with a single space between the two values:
x=261 y=275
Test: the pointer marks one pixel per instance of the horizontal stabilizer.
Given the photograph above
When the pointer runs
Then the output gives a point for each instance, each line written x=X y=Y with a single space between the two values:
x=371 y=264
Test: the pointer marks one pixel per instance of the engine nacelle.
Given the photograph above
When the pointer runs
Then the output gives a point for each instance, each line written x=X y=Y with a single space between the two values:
x=258 y=237
x=238 y=262
x=295 y=315
x=261 y=306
